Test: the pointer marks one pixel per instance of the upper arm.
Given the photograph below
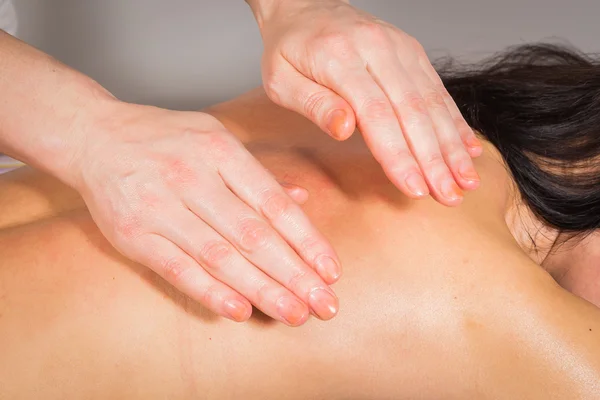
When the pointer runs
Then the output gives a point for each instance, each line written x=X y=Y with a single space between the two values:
x=28 y=195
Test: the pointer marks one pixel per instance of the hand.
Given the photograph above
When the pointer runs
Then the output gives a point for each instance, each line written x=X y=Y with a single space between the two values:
x=177 y=192
x=340 y=67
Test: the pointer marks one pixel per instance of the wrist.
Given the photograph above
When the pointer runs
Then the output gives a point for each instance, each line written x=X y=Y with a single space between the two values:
x=64 y=155
x=49 y=109
x=264 y=10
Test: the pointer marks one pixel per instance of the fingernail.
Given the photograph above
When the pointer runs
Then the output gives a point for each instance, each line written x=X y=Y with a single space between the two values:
x=291 y=310
x=328 y=269
x=323 y=303
x=450 y=190
x=416 y=185
x=336 y=122
x=236 y=310
x=468 y=173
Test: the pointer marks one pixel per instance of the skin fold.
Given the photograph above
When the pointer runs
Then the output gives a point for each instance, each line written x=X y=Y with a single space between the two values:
x=435 y=302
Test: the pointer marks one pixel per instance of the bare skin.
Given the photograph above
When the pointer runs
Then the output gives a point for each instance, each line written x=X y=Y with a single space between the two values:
x=445 y=303
x=127 y=160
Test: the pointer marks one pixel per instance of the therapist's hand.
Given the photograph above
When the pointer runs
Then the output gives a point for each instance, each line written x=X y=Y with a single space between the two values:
x=177 y=192
x=343 y=68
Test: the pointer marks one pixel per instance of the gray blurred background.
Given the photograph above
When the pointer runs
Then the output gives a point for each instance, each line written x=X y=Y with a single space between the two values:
x=185 y=54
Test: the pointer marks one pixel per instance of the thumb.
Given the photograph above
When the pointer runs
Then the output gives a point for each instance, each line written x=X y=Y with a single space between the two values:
x=330 y=112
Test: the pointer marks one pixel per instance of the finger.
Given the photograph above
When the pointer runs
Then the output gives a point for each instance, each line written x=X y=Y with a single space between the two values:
x=415 y=121
x=297 y=193
x=184 y=273
x=292 y=90
x=260 y=243
x=379 y=125
x=450 y=143
x=468 y=137
x=259 y=190
x=223 y=262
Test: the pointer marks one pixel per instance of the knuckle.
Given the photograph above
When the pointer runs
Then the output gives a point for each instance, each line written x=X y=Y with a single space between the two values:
x=275 y=205
x=127 y=227
x=441 y=89
x=414 y=103
x=174 y=269
x=376 y=33
x=262 y=294
x=215 y=254
x=272 y=85
x=454 y=148
x=434 y=159
x=218 y=141
x=311 y=245
x=460 y=122
x=314 y=104
x=334 y=41
x=295 y=280
x=377 y=109
x=413 y=112
x=455 y=155
x=400 y=158
x=177 y=172
x=221 y=145
x=416 y=46
x=148 y=197
x=253 y=234
x=210 y=295
x=336 y=46
x=464 y=129
x=399 y=152
x=434 y=100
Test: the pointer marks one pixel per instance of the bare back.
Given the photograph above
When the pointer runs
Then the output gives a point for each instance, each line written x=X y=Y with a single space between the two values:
x=435 y=302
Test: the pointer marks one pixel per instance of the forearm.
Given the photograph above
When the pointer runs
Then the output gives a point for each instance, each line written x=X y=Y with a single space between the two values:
x=46 y=108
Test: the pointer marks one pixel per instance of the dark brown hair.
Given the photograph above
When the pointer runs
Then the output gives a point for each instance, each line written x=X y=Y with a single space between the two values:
x=539 y=105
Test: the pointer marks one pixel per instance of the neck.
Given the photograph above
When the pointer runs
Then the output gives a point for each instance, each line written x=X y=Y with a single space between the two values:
x=574 y=264
x=535 y=238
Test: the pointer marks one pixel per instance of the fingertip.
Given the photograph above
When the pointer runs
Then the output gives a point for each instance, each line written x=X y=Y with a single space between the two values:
x=237 y=310
x=452 y=194
x=297 y=193
x=324 y=304
x=469 y=184
x=328 y=269
x=469 y=178
x=300 y=195
x=292 y=311
x=340 y=124
x=474 y=146
x=454 y=202
x=416 y=186
x=475 y=151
